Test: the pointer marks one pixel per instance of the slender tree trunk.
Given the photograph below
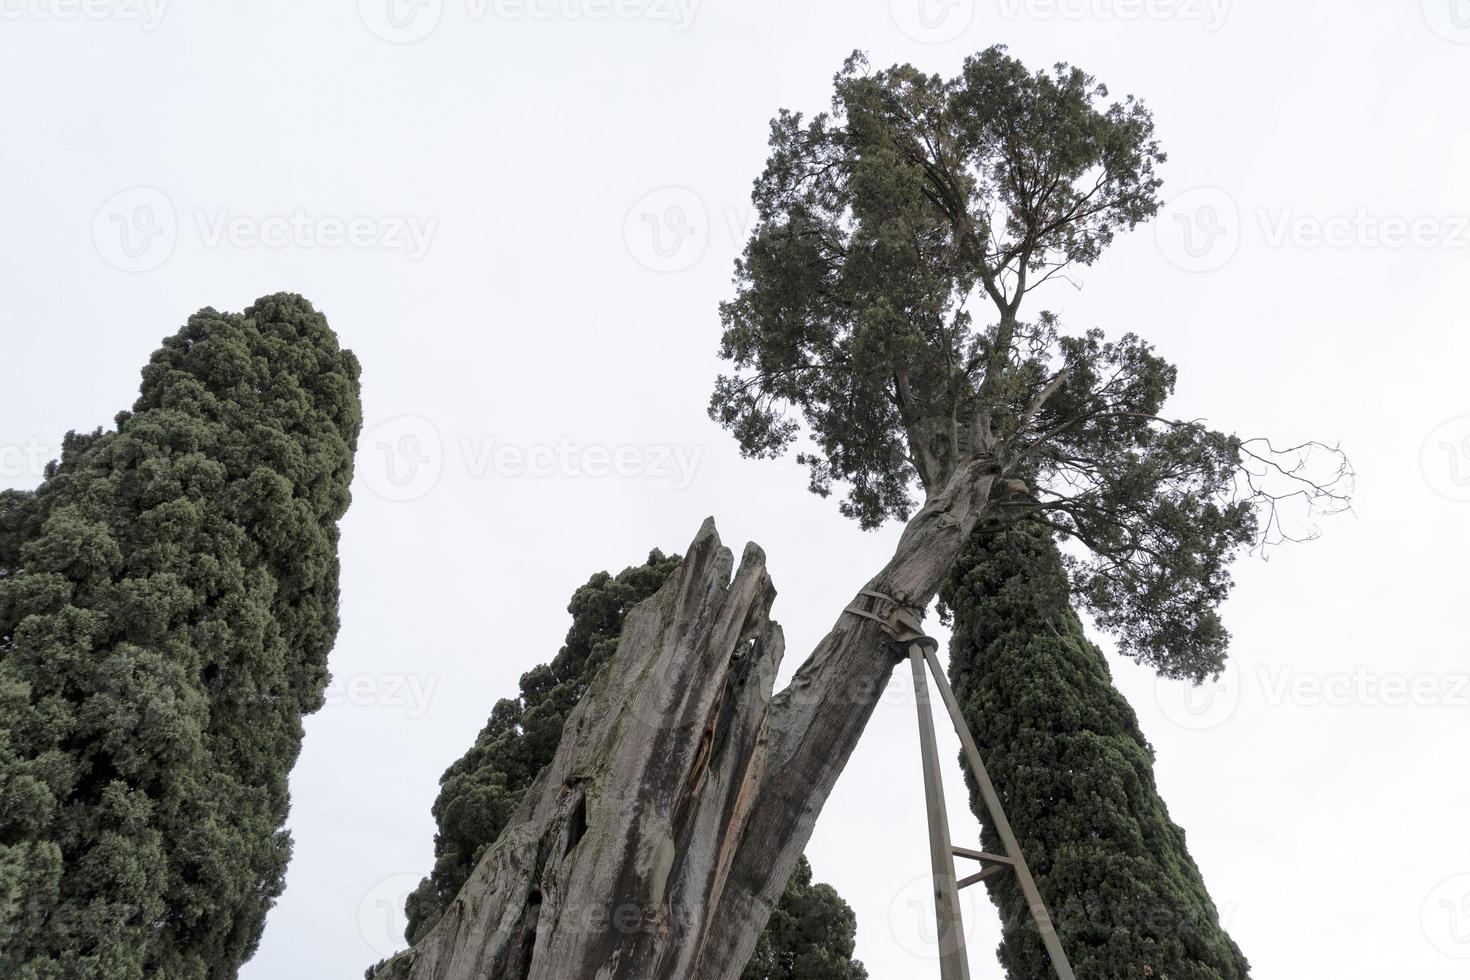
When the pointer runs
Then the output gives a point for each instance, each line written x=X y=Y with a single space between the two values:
x=683 y=793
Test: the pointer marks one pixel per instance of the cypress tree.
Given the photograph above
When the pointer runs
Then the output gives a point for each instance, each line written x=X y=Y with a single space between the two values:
x=811 y=931
x=1075 y=775
x=168 y=598
x=810 y=935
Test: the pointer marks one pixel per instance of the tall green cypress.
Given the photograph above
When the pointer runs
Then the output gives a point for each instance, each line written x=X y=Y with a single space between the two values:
x=1075 y=775
x=168 y=597
x=812 y=930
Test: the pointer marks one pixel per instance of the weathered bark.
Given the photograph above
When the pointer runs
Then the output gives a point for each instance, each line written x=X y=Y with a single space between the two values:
x=656 y=843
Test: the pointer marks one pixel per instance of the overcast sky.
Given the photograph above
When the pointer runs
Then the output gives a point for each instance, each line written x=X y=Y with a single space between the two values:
x=521 y=216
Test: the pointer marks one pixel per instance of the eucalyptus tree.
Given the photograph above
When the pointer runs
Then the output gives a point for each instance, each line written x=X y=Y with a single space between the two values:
x=878 y=312
x=879 y=303
x=879 y=328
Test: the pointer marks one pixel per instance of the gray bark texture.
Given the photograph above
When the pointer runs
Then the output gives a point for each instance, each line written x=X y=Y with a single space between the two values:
x=658 y=840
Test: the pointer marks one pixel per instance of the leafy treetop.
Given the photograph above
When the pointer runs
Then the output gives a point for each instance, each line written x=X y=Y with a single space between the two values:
x=878 y=302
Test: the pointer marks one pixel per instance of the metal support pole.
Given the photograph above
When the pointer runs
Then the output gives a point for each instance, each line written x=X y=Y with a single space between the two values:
x=953 y=963
x=998 y=817
x=901 y=623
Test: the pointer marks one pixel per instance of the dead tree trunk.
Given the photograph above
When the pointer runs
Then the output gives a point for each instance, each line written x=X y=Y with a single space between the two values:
x=656 y=843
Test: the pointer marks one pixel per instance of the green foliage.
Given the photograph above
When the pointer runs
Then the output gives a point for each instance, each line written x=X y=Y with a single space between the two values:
x=481 y=790
x=811 y=932
x=1075 y=775
x=168 y=598
x=809 y=935
x=879 y=223
x=884 y=226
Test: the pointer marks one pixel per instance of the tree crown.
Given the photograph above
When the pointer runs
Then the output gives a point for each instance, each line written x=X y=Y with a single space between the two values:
x=884 y=226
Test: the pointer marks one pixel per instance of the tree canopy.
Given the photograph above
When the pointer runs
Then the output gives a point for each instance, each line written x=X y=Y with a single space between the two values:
x=809 y=936
x=168 y=598
x=878 y=309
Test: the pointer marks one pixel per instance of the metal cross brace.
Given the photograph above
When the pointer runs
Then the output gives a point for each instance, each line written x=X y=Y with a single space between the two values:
x=902 y=624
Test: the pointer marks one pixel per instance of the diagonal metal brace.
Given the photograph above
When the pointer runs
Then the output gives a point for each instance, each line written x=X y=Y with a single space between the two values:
x=901 y=621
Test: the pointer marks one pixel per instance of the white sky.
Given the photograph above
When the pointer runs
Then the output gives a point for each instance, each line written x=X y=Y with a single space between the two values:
x=535 y=309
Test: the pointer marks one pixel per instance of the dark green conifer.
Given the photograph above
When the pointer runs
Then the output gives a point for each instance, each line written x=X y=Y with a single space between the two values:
x=1075 y=775
x=810 y=935
x=168 y=597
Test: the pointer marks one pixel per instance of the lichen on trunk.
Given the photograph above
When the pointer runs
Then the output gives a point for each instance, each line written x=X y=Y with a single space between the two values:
x=692 y=788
